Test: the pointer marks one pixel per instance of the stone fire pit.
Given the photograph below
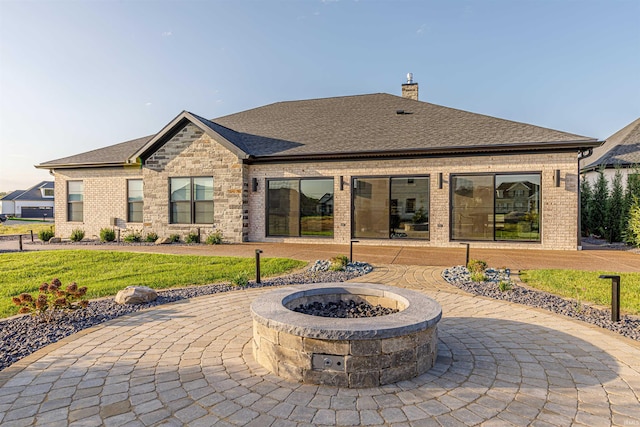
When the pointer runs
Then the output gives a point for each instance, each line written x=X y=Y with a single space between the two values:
x=343 y=352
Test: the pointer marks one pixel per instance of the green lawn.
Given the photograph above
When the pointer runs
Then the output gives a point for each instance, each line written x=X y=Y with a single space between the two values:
x=105 y=272
x=586 y=287
x=25 y=228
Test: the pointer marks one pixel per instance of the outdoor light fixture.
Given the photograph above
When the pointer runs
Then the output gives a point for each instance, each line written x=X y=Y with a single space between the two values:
x=557 y=177
x=254 y=184
x=341 y=182
x=440 y=180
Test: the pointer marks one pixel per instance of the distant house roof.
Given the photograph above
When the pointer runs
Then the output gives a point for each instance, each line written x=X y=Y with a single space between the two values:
x=376 y=125
x=33 y=193
x=620 y=149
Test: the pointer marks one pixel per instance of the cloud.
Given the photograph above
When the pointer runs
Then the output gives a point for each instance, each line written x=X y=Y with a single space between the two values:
x=422 y=29
x=147 y=104
x=167 y=34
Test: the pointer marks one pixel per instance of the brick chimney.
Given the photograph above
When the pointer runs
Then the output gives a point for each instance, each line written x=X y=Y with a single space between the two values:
x=410 y=89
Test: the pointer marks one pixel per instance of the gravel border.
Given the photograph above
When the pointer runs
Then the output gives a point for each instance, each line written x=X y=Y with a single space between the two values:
x=22 y=335
x=458 y=276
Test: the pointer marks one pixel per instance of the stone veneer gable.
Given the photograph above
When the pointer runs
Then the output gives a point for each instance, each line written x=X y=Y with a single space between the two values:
x=192 y=153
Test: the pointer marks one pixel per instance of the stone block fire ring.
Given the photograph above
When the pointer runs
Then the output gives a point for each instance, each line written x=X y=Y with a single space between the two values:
x=345 y=352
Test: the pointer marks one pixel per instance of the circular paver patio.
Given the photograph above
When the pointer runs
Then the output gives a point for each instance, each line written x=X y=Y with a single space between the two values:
x=190 y=363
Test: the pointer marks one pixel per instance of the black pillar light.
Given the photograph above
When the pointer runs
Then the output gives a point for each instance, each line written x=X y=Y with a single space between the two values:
x=615 y=296
x=466 y=255
x=254 y=184
x=258 y=252
x=440 y=183
x=351 y=249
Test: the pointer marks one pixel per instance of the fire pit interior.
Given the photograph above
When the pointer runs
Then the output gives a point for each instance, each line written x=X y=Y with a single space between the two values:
x=354 y=350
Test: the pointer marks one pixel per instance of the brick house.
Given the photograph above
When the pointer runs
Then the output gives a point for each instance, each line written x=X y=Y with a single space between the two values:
x=380 y=168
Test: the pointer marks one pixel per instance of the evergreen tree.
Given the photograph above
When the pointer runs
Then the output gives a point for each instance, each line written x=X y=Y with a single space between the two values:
x=632 y=191
x=615 y=209
x=599 y=205
x=586 y=201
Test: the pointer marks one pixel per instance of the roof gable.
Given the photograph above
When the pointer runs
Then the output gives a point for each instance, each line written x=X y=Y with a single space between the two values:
x=620 y=149
x=214 y=130
x=33 y=193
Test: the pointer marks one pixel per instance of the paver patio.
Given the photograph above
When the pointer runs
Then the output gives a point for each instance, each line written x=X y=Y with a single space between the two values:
x=190 y=363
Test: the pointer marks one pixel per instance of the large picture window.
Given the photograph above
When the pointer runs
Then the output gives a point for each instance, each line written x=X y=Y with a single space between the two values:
x=135 y=200
x=191 y=200
x=391 y=207
x=495 y=207
x=300 y=207
x=75 y=201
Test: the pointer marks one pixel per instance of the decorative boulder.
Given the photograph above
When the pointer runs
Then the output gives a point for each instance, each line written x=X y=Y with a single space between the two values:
x=136 y=295
x=55 y=240
x=163 y=241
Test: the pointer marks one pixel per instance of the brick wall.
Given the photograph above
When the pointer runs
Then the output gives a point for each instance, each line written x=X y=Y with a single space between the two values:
x=559 y=205
x=105 y=197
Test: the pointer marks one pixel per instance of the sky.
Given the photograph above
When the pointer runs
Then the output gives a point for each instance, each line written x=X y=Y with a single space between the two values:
x=81 y=75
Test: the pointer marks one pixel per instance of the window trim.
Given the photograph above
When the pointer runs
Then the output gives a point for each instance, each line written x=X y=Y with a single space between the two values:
x=494 y=175
x=191 y=201
x=389 y=177
x=299 y=179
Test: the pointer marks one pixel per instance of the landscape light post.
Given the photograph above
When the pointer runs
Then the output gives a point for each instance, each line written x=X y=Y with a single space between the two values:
x=467 y=256
x=258 y=252
x=615 y=296
x=351 y=249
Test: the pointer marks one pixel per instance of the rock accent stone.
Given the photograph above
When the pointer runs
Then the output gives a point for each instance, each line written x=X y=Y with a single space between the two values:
x=136 y=295
x=55 y=240
x=163 y=241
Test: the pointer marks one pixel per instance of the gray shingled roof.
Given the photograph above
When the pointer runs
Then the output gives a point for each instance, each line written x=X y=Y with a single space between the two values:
x=113 y=154
x=32 y=193
x=620 y=149
x=352 y=126
x=369 y=123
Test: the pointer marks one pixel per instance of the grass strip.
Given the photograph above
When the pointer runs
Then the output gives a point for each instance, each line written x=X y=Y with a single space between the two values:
x=106 y=272
x=586 y=287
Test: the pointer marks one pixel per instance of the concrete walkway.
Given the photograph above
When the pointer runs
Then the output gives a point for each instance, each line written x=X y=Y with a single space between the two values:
x=515 y=259
x=190 y=363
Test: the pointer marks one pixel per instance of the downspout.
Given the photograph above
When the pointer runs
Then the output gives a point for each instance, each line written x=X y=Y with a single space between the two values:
x=581 y=155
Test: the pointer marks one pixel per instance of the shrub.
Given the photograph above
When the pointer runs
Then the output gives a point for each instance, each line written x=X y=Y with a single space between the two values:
x=46 y=234
x=240 y=279
x=52 y=300
x=478 y=276
x=214 y=238
x=107 y=235
x=174 y=238
x=151 y=237
x=505 y=285
x=192 y=238
x=338 y=263
x=77 y=234
x=476 y=266
x=133 y=236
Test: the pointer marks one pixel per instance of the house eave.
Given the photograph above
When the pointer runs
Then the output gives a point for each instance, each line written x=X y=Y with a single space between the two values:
x=87 y=165
x=527 y=148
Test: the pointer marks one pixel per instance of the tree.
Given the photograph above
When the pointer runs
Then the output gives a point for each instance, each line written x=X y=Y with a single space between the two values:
x=586 y=202
x=599 y=205
x=632 y=232
x=632 y=192
x=615 y=209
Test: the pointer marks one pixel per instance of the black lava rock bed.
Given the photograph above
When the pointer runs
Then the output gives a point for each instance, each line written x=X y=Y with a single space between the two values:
x=20 y=336
x=344 y=309
x=628 y=326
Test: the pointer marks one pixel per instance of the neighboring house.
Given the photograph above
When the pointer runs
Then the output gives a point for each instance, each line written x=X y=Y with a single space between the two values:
x=620 y=151
x=36 y=202
x=379 y=168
